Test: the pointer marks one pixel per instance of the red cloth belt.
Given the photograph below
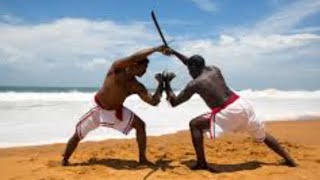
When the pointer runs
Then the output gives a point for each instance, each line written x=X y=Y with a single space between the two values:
x=118 y=110
x=216 y=110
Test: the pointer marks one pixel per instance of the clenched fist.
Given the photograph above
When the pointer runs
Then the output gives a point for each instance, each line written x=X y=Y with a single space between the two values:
x=159 y=77
x=168 y=76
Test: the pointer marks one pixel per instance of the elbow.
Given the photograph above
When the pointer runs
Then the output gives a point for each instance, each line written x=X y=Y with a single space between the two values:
x=154 y=102
x=173 y=102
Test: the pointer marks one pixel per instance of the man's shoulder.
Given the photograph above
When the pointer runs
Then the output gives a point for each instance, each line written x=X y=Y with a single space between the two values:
x=212 y=71
x=194 y=83
x=204 y=78
x=115 y=72
x=213 y=68
x=133 y=82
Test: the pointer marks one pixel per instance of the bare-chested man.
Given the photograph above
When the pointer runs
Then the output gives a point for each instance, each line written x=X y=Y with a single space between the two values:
x=108 y=110
x=230 y=113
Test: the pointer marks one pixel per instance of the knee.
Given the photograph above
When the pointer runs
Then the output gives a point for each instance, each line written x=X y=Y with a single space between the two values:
x=75 y=137
x=139 y=124
x=193 y=124
x=142 y=124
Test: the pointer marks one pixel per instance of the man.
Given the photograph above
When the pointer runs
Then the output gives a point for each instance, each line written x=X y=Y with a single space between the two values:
x=230 y=113
x=108 y=110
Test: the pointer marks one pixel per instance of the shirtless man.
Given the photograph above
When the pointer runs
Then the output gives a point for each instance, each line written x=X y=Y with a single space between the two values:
x=230 y=113
x=107 y=107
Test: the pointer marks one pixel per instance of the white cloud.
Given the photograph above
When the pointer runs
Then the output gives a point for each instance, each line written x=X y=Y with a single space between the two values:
x=258 y=61
x=261 y=50
x=271 y=36
x=70 y=40
x=94 y=64
x=206 y=5
x=10 y=19
x=312 y=29
x=251 y=47
x=68 y=51
x=288 y=17
x=271 y=47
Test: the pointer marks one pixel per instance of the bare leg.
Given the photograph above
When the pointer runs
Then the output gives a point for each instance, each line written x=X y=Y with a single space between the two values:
x=196 y=127
x=140 y=127
x=272 y=143
x=71 y=146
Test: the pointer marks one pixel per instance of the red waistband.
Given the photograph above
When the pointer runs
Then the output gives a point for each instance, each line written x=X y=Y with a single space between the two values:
x=229 y=101
x=118 y=111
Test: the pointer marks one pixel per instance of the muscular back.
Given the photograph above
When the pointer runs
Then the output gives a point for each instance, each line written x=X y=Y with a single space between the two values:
x=211 y=86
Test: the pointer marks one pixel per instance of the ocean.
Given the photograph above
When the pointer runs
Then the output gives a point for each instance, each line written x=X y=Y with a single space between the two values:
x=44 y=115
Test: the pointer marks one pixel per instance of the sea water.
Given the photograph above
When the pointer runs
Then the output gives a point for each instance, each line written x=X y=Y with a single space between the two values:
x=33 y=116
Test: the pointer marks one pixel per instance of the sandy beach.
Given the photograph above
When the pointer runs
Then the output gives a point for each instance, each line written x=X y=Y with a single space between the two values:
x=236 y=156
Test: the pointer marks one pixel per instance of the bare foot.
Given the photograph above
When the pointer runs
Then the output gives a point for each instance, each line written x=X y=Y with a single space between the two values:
x=145 y=162
x=64 y=162
x=290 y=163
x=199 y=166
x=212 y=169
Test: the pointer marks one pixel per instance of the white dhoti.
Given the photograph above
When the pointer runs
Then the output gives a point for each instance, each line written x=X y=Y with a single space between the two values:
x=97 y=116
x=237 y=115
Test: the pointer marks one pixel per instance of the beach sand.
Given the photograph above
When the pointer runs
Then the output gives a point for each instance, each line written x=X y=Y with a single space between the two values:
x=236 y=156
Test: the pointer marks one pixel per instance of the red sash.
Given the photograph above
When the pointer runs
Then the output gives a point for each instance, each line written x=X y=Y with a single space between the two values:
x=118 y=111
x=216 y=110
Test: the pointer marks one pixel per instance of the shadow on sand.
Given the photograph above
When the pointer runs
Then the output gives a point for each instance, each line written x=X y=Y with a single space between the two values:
x=222 y=168
x=121 y=164
x=163 y=165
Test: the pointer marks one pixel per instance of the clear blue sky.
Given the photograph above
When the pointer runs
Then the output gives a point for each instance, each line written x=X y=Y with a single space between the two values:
x=257 y=44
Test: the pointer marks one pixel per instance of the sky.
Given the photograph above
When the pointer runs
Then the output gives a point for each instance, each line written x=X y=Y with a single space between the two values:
x=257 y=44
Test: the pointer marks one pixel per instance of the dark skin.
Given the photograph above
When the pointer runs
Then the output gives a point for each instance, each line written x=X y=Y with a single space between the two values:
x=209 y=83
x=120 y=82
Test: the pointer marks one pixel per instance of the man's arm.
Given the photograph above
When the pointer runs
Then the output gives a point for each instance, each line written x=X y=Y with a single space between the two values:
x=146 y=96
x=180 y=56
x=134 y=58
x=183 y=96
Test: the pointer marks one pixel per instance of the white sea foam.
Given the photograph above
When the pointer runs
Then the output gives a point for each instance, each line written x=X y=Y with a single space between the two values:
x=274 y=93
x=44 y=96
x=29 y=118
x=85 y=96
